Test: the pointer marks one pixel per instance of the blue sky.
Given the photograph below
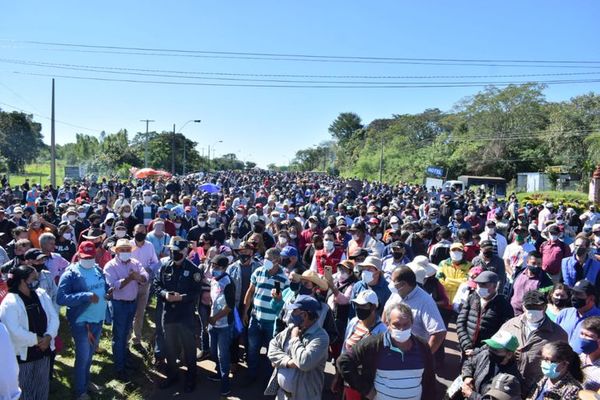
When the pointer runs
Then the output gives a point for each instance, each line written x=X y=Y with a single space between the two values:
x=270 y=124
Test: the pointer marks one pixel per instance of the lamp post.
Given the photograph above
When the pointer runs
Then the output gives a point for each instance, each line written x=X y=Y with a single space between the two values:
x=173 y=145
x=213 y=145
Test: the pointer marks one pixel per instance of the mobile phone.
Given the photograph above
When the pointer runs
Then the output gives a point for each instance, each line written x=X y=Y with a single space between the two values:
x=277 y=287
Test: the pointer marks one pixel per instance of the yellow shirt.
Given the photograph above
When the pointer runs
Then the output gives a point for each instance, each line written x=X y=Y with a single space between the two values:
x=452 y=276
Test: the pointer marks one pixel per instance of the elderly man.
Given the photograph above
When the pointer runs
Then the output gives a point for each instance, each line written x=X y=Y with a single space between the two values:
x=299 y=353
x=123 y=275
x=392 y=364
x=371 y=278
x=54 y=261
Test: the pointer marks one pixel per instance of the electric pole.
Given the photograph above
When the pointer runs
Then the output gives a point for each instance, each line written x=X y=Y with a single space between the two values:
x=147 y=121
x=52 y=145
x=173 y=152
x=381 y=163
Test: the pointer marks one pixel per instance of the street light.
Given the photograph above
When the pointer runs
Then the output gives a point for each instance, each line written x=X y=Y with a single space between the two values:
x=213 y=145
x=173 y=145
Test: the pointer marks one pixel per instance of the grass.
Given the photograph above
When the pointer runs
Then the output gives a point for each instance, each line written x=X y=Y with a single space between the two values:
x=102 y=372
x=38 y=173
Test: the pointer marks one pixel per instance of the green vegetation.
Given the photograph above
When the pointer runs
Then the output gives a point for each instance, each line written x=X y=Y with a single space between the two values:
x=576 y=200
x=36 y=172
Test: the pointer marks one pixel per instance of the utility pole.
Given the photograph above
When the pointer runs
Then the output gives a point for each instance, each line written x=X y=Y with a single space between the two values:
x=52 y=144
x=147 y=121
x=173 y=152
x=184 y=156
x=208 y=160
x=381 y=163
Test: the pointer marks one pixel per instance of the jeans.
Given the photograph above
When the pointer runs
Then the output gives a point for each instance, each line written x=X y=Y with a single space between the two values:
x=123 y=313
x=178 y=336
x=260 y=334
x=84 y=351
x=220 y=340
x=159 y=340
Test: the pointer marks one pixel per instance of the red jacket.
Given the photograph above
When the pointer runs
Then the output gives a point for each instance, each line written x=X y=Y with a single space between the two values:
x=322 y=259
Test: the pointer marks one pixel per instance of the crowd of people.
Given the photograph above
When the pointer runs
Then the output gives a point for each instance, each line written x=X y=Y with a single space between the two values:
x=313 y=269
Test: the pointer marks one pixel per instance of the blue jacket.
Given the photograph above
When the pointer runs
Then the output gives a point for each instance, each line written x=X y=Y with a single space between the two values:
x=590 y=270
x=73 y=292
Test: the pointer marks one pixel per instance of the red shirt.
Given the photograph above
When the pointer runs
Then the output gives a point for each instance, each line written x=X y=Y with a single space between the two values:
x=322 y=259
x=552 y=255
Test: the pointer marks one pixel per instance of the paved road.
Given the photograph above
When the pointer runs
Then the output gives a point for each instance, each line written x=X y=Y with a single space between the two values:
x=206 y=389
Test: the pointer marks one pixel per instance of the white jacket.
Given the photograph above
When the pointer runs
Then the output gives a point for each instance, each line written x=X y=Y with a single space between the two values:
x=14 y=316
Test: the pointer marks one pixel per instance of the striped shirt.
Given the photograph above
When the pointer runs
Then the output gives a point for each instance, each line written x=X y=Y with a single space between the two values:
x=264 y=283
x=399 y=375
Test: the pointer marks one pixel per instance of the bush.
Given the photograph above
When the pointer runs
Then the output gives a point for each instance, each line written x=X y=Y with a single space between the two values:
x=576 y=200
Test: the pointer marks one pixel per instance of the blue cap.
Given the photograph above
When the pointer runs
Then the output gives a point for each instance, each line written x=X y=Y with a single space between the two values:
x=305 y=303
x=289 y=251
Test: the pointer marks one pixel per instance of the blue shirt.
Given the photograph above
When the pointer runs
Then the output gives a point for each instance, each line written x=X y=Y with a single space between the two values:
x=158 y=243
x=570 y=320
x=95 y=283
x=591 y=267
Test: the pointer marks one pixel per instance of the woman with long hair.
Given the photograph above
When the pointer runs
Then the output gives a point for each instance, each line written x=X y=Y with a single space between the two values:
x=562 y=373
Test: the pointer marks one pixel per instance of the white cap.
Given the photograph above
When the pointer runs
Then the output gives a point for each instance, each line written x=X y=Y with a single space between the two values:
x=394 y=219
x=422 y=268
x=596 y=228
x=366 y=297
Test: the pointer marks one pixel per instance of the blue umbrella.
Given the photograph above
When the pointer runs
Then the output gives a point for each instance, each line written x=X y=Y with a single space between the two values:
x=210 y=187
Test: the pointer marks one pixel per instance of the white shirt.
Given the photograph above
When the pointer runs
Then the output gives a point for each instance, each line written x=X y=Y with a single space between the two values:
x=9 y=378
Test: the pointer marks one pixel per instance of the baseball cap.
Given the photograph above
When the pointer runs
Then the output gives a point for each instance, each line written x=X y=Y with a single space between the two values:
x=584 y=286
x=289 y=251
x=86 y=250
x=486 y=244
x=372 y=261
x=504 y=387
x=177 y=243
x=220 y=260
x=503 y=340
x=486 y=277
x=305 y=303
x=533 y=298
x=366 y=297
x=457 y=246
x=34 y=254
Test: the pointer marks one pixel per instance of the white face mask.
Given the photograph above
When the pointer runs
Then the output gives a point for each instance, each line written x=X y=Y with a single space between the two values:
x=394 y=226
x=433 y=220
x=328 y=244
x=283 y=241
x=212 y=220
x=67 y=236
x=534 y=316
x=268 y=264
x=124 y=257
x=293 y=235
x=313 y=226
x=400 y=335
x=378 y=236
x=554 y=238
x=120 y=233
x=490 y=231
x=392 y=288
x=201 y=224
x=177 y=225
x=355 y=237
x=343 y=275
x=147 y=199
x=483 y=292
x=126 y=214
x=367 y=277
x=72 y=218
x=82 y=215
x=456 y=255
x=87 y=263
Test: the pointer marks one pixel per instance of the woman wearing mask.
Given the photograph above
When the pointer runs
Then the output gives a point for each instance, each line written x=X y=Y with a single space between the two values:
x=293 y=232
x=65 y=245
x=283 y=239
x=126 y=216
x=562 y=373
x=341 y=284
x=309 y=252
x=559 y=297
x=32 y=322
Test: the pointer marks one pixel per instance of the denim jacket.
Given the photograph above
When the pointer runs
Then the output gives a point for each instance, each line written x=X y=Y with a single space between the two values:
x=73 y=292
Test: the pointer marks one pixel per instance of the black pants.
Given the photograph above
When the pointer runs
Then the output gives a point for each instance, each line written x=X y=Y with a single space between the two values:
x=180 y=336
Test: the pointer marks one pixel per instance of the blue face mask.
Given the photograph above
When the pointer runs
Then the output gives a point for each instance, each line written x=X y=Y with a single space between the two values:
x=297 y=320
x=216 y=273
x=588 y=346
x=549 y=369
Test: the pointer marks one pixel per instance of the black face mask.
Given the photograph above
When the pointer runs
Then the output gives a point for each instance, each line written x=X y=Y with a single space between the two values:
x=496 y=358
x=578 y=303
x=488 y=254
x=304 y=290
x=363 y=313
x=561 y=303
x=244 y=258
x=285 y=262
x=534 y=269
x=581 y=251
x=294 y=286
x=176 y=255
x=258 y=229
x=397 y=255
x=140 y=237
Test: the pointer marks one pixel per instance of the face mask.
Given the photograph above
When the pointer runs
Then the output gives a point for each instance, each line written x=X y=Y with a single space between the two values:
x=456 y=255
x=33 y=284
x=268 y=264
x=549 y=369
x=363 y=313
x=401 y=335
x=496 y=358
x=140 y=237
x=297 y=320
x=283 y=241
x=560 y=303
x=581 y=251
x=87 y=263
x=472 y=213
x=394 y=226
x=344 y=276
x=588 y=346
x=355 y=237
x=397 y=255
x=244 y=258
x=293 y=235
x=367 y=277
x=216 y=273
x=177 y=225
x=578 y=303
x=329 y=245
x=534 y=316
x=294 y=286
x=239 y=216
x=82 y=215
x=304 y=290
x=147 y=199
x=313 y=226
x=554 y=238
x=72 y=218
x=120 y=233
x=534 y=269
x=520 y=239
x=212 y=220
x=433 y=220
x=392 y=288
x=490 y=231
x=67 y=236
x=201 y=224
x=378 y=236
x=124 y=257
x=259 y=229
x=176 y=255
x=488 y=253
x=483 y=292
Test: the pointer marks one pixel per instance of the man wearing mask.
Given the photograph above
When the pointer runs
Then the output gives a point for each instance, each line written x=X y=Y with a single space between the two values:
x=143 y=252
x=361 y=239
x=581 y=265
x=299 y=354
x=427 y=320
x=258 y=296
x=37 y=259
x=325 y=260
x=82 y=289
x=553 y=251
x=584 y=306
x=159 y=239
x=396 y=259
x=123 y=275
x=55 y=263
x=533 y=329
x=490 y=233
x=306 y=235
x=458 y=223
x=393 y=362
x=241 y=222
x=178 y=284
x=453 y=271
x=145 y=211
x=199 y=229
x=531 y=278
x=371 y=278
x=590 y=356
x=290 y=259
x=483 y=314
x=488 y=261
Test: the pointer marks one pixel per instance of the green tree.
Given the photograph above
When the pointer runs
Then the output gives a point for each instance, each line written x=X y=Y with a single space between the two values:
x=345 y=125
x=20 y=139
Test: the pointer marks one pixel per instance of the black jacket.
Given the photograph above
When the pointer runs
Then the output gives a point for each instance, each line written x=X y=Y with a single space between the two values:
x=475 y=324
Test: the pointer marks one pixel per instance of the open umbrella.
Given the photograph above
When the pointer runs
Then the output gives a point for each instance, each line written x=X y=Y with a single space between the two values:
x=144 y=173
x=210 y=187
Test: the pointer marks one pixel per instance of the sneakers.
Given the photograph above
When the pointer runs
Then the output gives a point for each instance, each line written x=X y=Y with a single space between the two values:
x=202 y=355
x=93 y=388
x=213 y=377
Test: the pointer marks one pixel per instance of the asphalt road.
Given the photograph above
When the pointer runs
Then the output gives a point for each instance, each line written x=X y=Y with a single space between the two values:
x=206 y=389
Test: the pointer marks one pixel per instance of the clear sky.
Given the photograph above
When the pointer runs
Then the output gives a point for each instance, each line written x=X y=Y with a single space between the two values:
x=270 y=124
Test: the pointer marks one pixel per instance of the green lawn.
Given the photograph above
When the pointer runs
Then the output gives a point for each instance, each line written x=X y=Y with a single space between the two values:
x=142 y=378
x=38 y=172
